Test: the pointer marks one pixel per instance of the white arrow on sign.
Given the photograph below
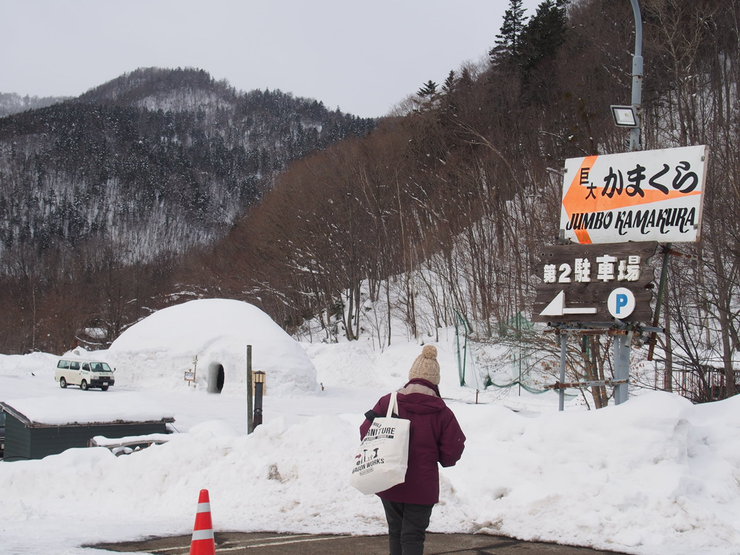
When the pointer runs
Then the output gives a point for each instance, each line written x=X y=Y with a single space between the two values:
x=557 y=307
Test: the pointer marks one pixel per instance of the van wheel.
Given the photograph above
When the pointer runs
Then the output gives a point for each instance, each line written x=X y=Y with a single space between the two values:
x=62 y=383
x=83 y=385
x=104 y=387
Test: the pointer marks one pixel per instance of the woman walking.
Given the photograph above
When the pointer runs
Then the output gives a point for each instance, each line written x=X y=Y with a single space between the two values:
x=436 y=437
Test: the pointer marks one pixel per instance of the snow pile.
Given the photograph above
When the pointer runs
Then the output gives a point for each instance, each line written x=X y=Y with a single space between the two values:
x=656 y=475
x=74 y=409
x=28 y=365
x=163 y=346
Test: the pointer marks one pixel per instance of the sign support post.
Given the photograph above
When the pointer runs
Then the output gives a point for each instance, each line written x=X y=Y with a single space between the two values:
x=563 y=355
x=622 y=347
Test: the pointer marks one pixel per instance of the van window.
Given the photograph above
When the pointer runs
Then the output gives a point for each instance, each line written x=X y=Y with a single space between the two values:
x=74 y=365
x=63 y=364
x=86 y=366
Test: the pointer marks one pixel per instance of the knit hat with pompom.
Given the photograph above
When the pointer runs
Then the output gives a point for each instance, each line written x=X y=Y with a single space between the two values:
x=426 y=366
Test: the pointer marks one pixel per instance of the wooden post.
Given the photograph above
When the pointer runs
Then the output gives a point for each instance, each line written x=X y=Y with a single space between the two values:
x=563 y=359
x=250 y=423
x=661 y=291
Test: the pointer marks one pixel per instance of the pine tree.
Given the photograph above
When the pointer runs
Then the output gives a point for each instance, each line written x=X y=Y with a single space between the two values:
x=543 y=35
x=428 y=90
x=428 y=96
x=509 y=40
x=449 y=85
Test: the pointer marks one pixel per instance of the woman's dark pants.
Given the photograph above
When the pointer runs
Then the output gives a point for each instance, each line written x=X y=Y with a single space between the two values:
x=407 y=526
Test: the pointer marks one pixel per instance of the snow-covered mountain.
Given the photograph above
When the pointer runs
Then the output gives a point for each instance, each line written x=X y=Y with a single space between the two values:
x=153 y=162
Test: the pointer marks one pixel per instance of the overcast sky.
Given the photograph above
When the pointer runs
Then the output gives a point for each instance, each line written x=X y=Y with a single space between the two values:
x=363 y=56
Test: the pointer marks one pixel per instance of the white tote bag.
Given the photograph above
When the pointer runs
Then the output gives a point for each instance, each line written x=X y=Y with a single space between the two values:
x=382 y=459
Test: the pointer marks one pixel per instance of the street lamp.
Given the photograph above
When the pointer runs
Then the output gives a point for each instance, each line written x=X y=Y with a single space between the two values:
x=637 y=72
x=625 y=116
x=259 y=384
x=629 y=116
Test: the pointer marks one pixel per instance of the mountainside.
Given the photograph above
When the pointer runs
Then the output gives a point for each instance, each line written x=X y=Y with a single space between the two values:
x=155 y=161
x=440 y=216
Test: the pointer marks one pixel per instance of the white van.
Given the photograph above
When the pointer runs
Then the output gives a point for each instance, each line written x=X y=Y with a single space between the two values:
x=85 y=373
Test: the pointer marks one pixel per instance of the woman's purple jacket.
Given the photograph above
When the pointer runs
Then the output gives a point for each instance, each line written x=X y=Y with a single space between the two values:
x=436 y=437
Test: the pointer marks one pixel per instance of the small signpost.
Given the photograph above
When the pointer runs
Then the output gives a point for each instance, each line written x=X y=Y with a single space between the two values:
x=190 y=373
x=578 y=282
x=615 y=209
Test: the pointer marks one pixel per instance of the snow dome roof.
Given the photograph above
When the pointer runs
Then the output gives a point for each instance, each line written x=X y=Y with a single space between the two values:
x=217 y=331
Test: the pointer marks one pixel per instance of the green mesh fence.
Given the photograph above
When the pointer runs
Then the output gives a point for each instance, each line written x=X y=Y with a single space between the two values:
x=475 y=371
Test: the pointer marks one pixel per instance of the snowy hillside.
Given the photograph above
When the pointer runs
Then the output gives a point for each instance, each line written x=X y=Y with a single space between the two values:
x=155 y=161
x=655 y=475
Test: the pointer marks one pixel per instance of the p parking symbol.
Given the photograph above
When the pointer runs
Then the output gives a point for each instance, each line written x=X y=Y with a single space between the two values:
x=621 y=302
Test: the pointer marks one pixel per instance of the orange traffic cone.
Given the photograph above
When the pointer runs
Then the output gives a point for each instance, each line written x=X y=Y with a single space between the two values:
x=203 y=542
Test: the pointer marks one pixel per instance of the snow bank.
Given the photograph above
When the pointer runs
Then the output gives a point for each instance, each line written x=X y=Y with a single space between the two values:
x=654 y=476
x=82 y=407
x=34 y=364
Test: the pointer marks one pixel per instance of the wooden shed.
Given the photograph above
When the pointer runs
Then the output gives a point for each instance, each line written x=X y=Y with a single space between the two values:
x=29 y=437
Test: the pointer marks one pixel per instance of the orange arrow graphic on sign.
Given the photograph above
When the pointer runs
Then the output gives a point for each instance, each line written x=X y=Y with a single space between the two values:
x=579 y=199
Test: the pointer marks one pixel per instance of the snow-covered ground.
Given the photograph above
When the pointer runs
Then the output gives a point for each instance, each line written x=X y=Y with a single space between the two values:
x=655 y=475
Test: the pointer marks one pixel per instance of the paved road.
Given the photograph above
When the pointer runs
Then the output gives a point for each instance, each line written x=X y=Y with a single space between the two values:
x=265 y=543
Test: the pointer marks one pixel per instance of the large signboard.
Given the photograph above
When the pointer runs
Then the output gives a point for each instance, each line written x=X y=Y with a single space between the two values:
x=649 y=195
x=595 y=283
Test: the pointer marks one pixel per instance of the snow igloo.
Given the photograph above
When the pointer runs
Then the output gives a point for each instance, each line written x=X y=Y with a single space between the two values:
x=210 y=337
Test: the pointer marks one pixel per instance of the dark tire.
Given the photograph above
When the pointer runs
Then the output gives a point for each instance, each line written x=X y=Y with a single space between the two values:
x=83 y=385
x=104 y=387
x=62 y=383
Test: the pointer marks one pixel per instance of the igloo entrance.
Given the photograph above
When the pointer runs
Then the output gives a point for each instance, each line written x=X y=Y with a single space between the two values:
x=216 y=377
